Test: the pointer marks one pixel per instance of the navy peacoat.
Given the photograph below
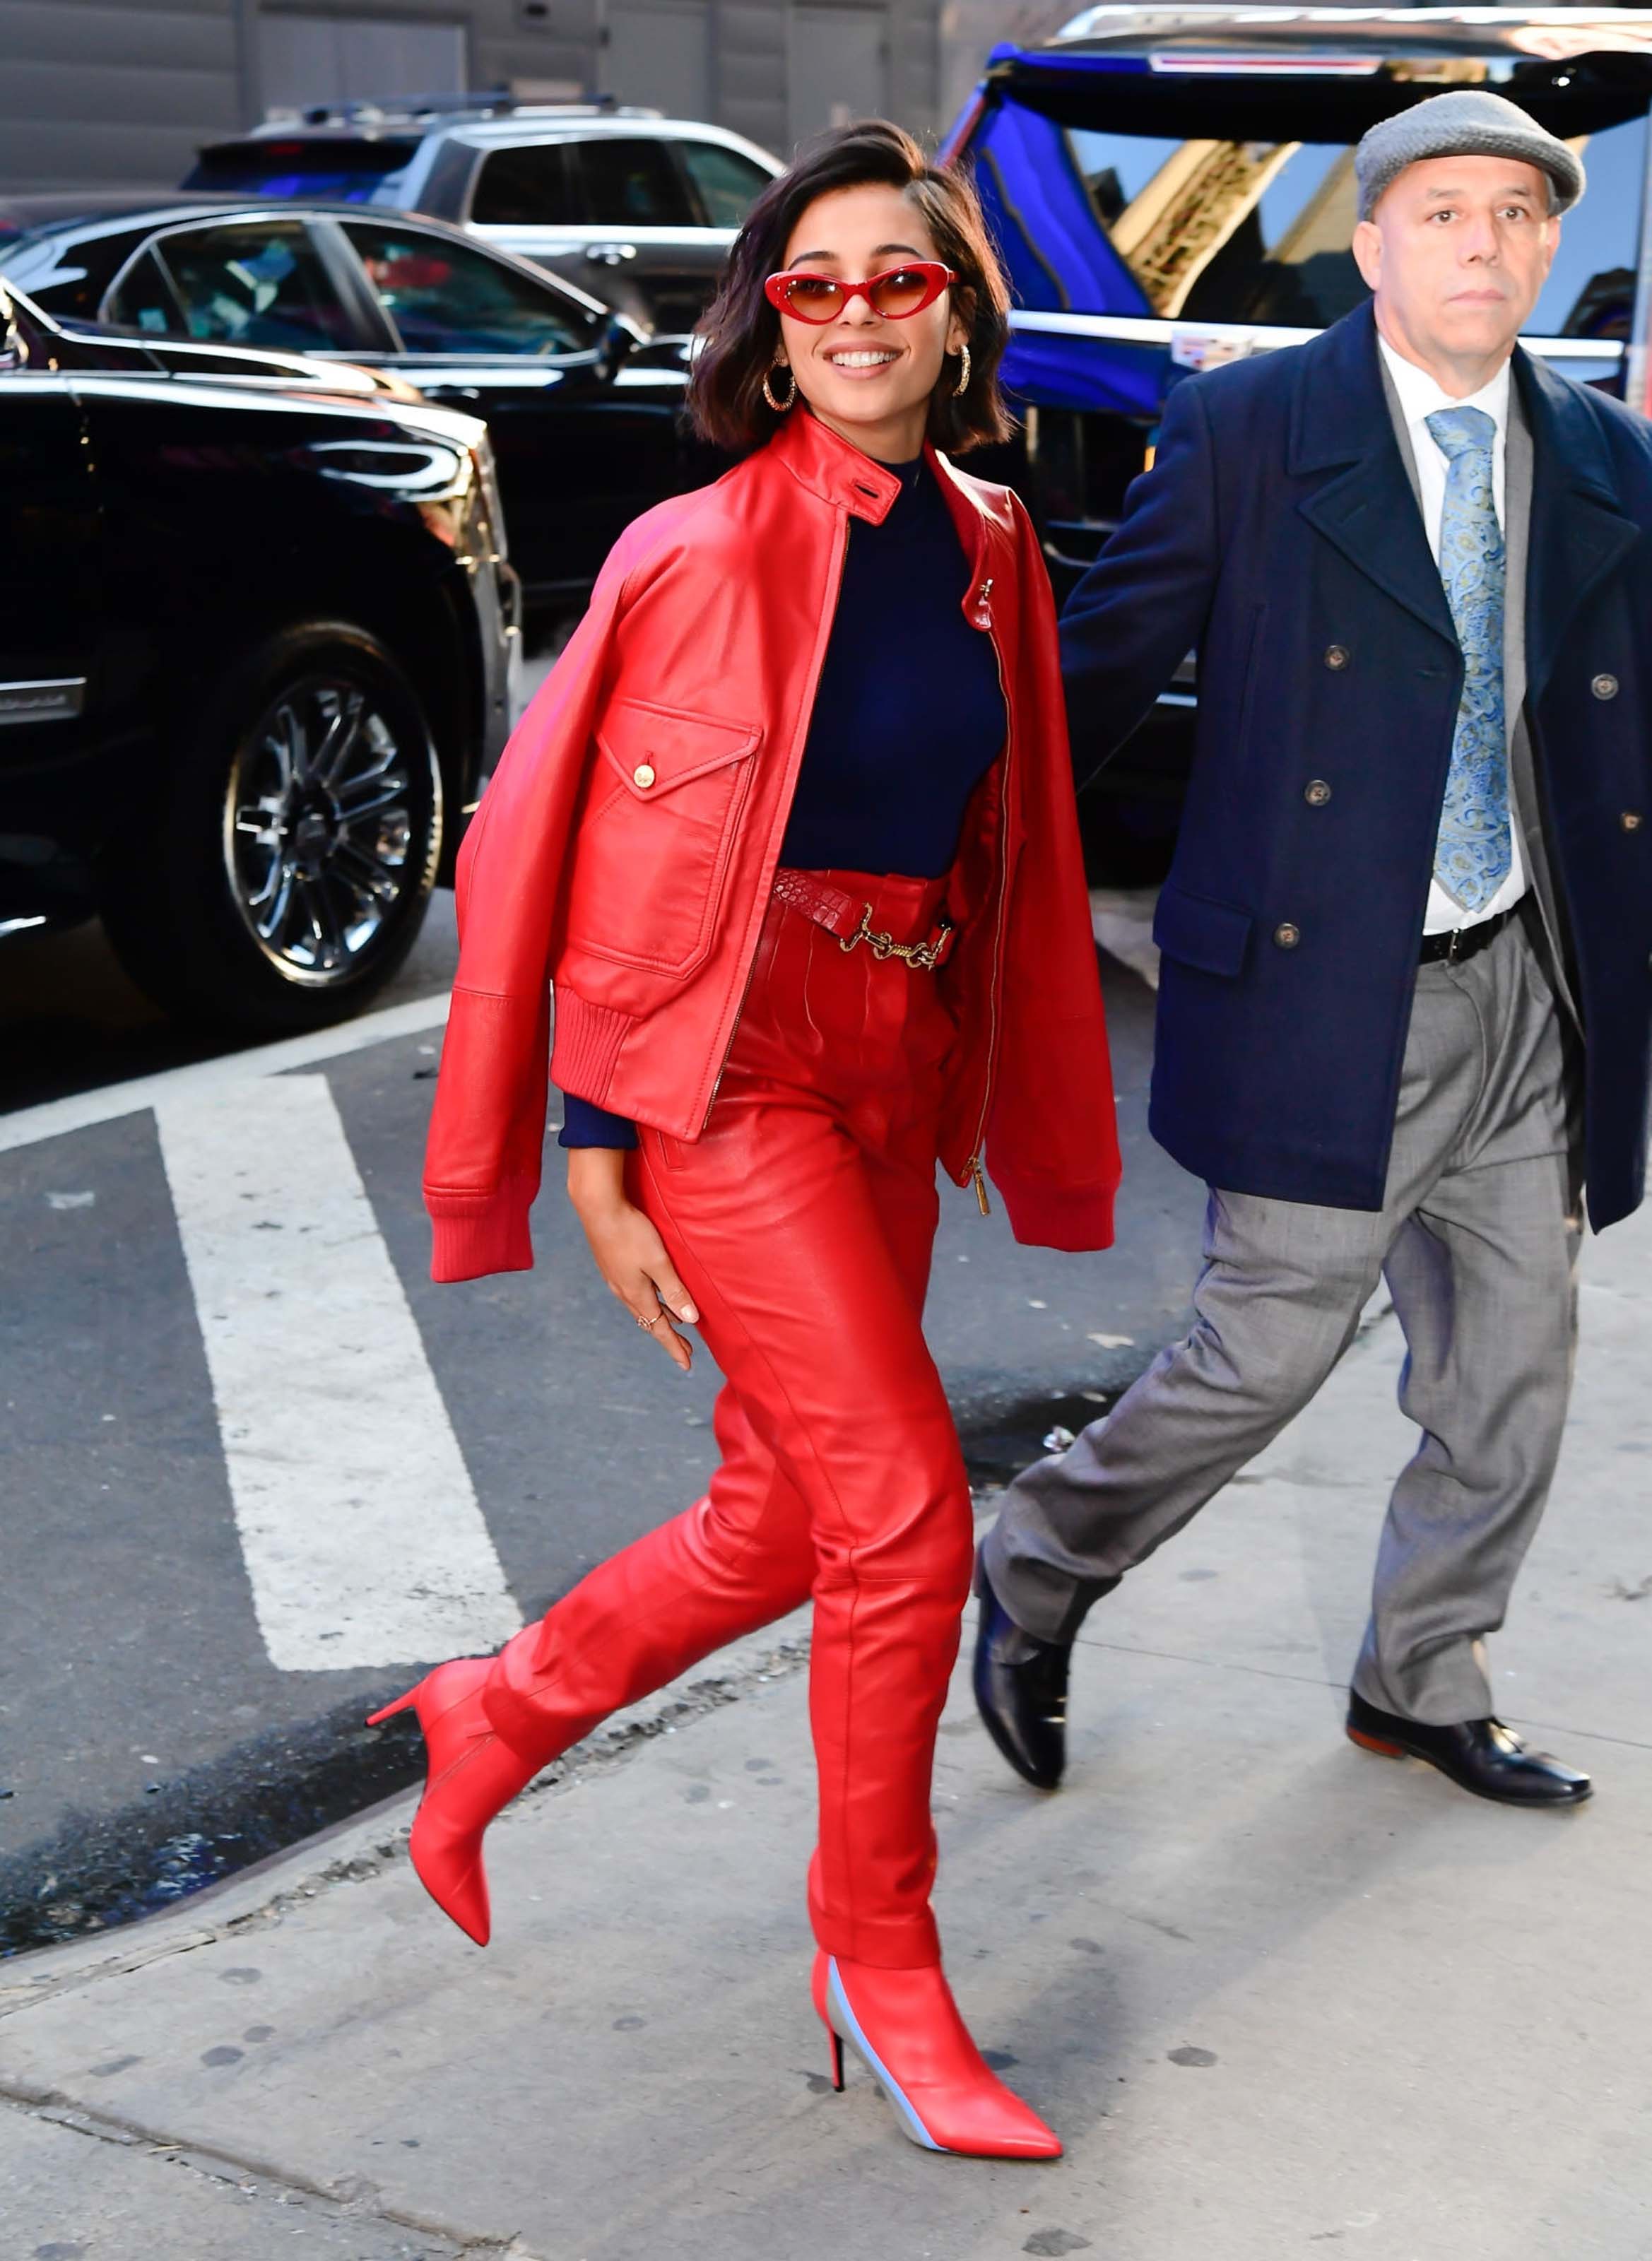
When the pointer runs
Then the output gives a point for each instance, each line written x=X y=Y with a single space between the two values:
x=1276 y=532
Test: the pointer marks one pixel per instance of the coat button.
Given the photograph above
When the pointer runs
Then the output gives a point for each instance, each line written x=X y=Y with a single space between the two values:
x=1605 y=687
x=642 y=775
x=1317 y=793
x=1631 y=820
x=1336 y=656
x=1287 y=935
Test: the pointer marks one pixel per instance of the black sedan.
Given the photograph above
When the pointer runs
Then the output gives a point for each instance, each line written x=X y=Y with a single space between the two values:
x=583 y=413
x=256 y=657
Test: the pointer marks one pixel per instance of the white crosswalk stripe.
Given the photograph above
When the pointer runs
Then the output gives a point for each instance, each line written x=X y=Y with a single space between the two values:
x=364 y=1539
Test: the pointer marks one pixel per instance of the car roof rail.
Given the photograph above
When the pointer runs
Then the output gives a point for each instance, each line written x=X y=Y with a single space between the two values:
x=493 y=102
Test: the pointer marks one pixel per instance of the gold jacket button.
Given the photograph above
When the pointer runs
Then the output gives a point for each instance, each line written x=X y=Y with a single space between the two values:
x=642 y=775
x=1336 y=656
x=1631 y=820
x=1287 y=935
x=1605 y=687
x=1317 y=793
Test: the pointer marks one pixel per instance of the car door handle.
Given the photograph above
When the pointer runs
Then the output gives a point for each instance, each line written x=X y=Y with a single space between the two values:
x=609 y=255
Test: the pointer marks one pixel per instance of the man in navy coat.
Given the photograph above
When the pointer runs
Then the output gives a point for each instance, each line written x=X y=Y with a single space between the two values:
x=1405 y=1001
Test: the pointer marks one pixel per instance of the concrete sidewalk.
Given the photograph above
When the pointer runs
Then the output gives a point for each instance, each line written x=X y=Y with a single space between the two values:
x=1273 y=1993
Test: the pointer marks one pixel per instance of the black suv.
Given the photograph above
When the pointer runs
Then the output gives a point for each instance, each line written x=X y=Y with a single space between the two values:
x=256 y=650
x=638 y=208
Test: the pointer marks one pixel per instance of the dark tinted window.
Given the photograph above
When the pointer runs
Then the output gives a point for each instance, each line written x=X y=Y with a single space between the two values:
x=143 y=300
x=728 y=184
x=444 y=297
x=344 y=171
x=246 y=284
x=528 y=188
x=631 y=184
x=68 y=277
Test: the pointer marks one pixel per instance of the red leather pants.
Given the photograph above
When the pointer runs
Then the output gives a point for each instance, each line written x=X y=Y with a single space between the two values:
x=803 y=1222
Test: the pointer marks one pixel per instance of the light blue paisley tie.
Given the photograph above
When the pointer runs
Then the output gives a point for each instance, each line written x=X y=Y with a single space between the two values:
x=1472 y=856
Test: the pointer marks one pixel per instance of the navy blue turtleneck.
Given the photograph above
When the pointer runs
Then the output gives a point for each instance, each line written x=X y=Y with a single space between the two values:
x=908 y=718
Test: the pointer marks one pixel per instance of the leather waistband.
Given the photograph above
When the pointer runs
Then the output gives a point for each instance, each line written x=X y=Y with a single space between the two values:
x=1460 y=942
x=853 y=915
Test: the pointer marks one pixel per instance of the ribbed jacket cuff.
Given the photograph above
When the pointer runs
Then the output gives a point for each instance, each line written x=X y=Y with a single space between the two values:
x=474 y=1234
x=1075 y=1218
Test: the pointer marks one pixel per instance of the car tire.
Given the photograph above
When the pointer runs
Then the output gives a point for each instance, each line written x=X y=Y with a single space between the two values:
x=288 y=868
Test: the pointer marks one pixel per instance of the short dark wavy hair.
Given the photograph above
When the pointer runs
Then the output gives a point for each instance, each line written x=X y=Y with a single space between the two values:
x=739 y=332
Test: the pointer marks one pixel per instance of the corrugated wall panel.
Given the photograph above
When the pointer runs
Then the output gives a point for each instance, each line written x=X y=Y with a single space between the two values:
x=110 y=96
x=146 y=39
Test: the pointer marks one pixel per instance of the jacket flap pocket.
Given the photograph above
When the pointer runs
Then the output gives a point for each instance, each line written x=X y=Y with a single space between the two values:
x=1198 y=932
x=656 y=748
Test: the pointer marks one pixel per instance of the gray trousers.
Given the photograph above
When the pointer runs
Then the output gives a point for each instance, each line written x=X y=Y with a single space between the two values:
x=1477 y=1237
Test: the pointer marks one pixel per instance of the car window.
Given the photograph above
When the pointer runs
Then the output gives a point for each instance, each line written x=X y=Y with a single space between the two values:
x=1260 y=232
x=255 y=284
x=331 y=166
x=445 y=297
x=142 y=299
x=1590 y=288
x=69 y=274
x=727 y=183
x=528 y=188
x=625 y=183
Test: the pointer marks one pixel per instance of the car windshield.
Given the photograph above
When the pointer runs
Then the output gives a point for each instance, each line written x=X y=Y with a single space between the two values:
x=1100 y=215
x=340 y=171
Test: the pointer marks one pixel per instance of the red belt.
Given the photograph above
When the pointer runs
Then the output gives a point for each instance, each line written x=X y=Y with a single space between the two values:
x=851 y=921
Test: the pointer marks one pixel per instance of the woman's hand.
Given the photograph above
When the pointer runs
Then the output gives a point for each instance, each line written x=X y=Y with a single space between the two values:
x=629 y=1254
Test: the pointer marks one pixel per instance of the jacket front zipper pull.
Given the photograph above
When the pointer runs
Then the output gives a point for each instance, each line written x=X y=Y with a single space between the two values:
x=981 y=1185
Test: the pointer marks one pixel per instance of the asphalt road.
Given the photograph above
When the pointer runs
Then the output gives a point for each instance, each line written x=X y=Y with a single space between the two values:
x=258 y=1469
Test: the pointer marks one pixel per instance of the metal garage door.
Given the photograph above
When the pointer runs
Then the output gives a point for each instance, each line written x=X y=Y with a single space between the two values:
x=660 y=54
x=839 y=66
x=305 y=59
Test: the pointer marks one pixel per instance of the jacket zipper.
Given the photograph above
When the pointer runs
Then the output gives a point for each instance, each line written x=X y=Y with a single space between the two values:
x=840 y=551
x=975 y=1168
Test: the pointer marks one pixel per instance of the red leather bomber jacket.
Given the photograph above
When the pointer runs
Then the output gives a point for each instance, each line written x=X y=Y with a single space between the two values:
x=625 y=850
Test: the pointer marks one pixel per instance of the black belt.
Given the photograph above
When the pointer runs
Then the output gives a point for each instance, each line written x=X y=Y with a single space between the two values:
x=1460 y=942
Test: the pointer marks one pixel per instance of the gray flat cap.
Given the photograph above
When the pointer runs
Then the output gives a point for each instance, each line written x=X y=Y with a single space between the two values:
x=1463 y=123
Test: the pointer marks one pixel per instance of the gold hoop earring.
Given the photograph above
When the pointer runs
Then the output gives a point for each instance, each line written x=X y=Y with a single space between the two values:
x=962 y=386
x=780 y=407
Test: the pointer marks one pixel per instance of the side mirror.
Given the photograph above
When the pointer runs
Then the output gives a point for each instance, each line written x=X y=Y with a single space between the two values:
x=618 y=339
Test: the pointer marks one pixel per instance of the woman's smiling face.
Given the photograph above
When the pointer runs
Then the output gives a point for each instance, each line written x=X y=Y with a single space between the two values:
x=868 y=377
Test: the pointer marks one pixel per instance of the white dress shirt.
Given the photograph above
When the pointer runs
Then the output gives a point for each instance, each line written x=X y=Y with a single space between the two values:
x=1419 y=396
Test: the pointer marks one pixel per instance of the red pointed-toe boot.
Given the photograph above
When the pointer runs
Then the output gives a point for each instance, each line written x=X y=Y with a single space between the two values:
x=470 y=1776
x=905 y=2027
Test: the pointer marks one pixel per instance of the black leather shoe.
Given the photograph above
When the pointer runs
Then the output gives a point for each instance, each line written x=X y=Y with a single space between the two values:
x=1021 y=1689
x=1478 y=1755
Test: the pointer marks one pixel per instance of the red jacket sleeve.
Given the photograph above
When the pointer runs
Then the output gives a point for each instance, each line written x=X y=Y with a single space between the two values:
x=1052 y=1139
x=483 y=1155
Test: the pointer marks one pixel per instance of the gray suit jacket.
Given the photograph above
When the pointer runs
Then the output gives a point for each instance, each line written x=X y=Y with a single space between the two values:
x=1524 y=791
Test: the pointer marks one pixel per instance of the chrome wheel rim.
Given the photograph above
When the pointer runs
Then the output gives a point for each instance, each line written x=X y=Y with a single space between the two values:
x=322 y=830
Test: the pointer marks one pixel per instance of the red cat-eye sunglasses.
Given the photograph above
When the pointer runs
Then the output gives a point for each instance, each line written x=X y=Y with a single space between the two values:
x=898 y=293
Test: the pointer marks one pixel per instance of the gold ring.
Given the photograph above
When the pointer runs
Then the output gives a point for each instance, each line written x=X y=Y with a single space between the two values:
x=648 y=1326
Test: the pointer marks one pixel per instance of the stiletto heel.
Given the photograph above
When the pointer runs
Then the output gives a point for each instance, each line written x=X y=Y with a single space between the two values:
x=470 y=1774
x=904 y=2025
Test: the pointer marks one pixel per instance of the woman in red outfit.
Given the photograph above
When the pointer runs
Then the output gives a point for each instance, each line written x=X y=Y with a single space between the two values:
x=790 y=834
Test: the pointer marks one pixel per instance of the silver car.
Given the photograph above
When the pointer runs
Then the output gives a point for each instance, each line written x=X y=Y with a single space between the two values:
x=638 y=208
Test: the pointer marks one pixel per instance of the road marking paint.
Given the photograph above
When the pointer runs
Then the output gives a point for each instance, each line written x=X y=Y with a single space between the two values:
x=53 y=1117
x=363 y=1537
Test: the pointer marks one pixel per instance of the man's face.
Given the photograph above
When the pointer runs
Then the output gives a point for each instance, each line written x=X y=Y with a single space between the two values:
x=1456 y=253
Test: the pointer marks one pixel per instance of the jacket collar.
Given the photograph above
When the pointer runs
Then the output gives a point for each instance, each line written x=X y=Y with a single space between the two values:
x=1579 y=530
x=829 y=467
x=1340 y=423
